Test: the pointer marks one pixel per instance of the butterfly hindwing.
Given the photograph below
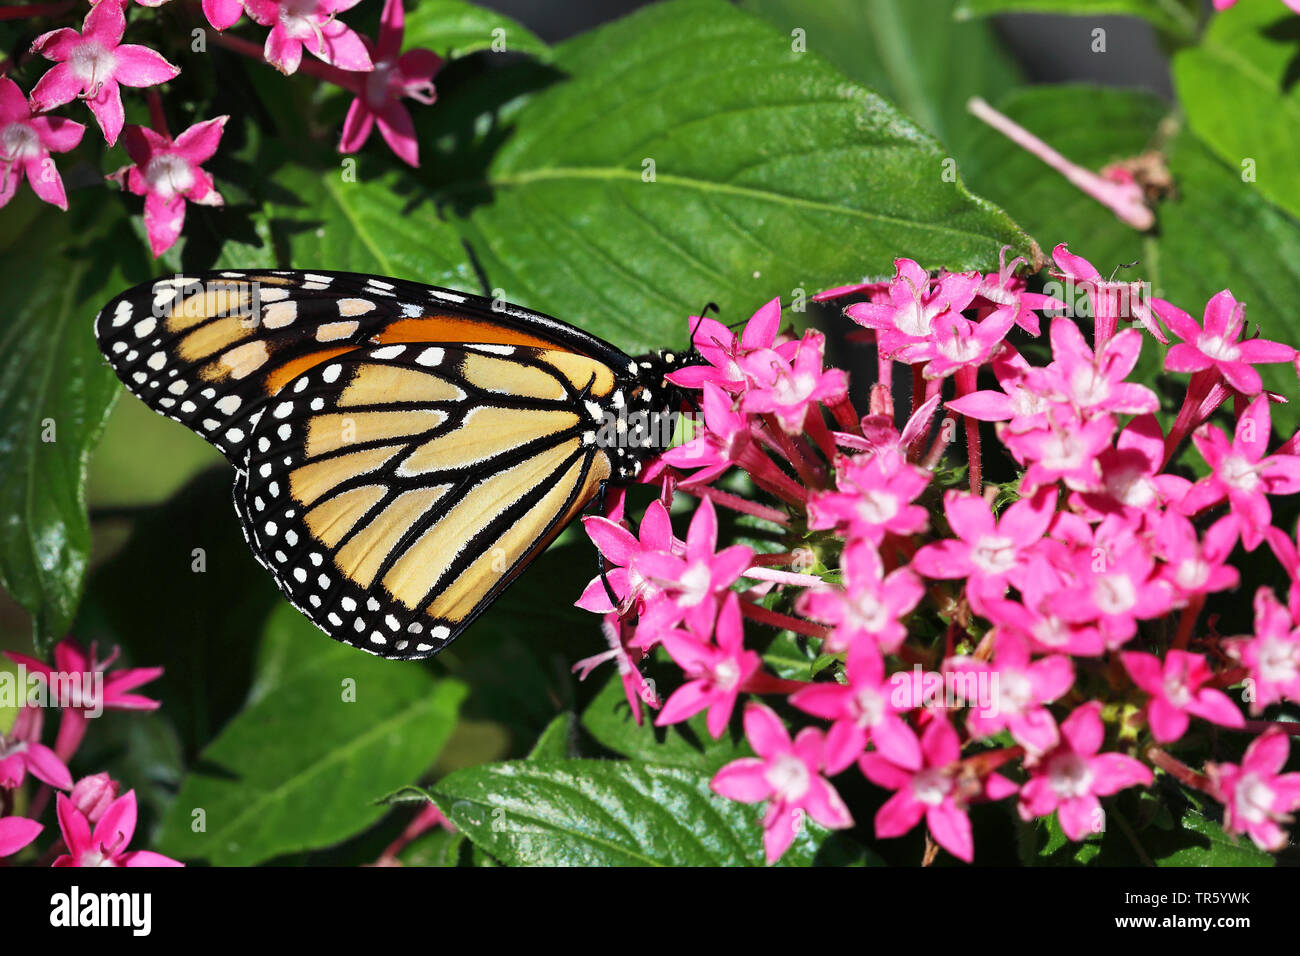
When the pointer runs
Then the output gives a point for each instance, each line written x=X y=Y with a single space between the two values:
x=395 y=490
x=211 y=350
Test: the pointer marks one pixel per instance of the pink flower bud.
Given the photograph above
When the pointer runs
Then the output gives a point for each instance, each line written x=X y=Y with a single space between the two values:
x=92 y=795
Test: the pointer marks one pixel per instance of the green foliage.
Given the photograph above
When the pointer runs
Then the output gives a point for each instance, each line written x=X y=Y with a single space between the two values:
x=55 y=395
x=1178 y=18
x=1238 y=88
x=324 y=728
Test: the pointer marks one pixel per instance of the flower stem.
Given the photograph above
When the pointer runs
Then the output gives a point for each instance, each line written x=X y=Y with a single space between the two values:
x=35 y=10
x=783 y=622
x=1177 y=769
x=726 y=499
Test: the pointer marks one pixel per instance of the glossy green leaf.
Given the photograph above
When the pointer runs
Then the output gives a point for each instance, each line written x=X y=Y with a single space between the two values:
x=691 y=156
x=912 y=52
x=326 y=732
x=1202 y=842
x=606 y=813
x=1238 y=89
x=360 y=216
x=55 y=396
x=1175 y=17
x=451 y=28
x=557 y=740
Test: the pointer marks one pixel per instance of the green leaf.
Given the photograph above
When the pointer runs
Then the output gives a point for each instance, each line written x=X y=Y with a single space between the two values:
x=771 y=171
x=302 y=765
x=911 y=51
x=557 y=740
x=608 y=718
x=1238 y=90
x=166 y=598
x=607 y=813
x=452 y=29
x=382 y=223
x=1174 y=17
x=1216 y=232
x=55 y=396
x=1202 y=842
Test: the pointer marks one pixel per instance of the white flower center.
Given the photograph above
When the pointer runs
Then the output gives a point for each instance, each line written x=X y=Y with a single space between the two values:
x=1238 y=472
x=1061 y=452
x=1279 y=660
x=377 y=84
x=1115 y=594
x=726 y=674
x=1131 y=486
x=1254 y=799
x=1051 y=632
x=694 y=584
x=92 y=64
x=1088 y=387
x=1015 y=692
x=169 y=175
x=869 y=612
x=958 y=348
x=18 y=142
x=1218 y=348
x=299 y=19
x=868 y=706
x=931 y=786
x=1176 y=690
x=1070 y=776
x=877 y=507
x=994 y=554
x=789 y=777
x=1192 y=574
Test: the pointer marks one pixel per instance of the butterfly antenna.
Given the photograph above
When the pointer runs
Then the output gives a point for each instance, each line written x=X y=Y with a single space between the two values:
x=700 y=318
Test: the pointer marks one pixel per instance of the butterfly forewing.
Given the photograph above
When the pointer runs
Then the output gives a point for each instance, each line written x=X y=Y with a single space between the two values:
x=395 y=490
x=211 y=350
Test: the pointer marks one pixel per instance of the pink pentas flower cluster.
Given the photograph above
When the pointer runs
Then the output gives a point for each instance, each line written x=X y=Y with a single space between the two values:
x=93 y=64
x=1042 y=640
x=96 y=821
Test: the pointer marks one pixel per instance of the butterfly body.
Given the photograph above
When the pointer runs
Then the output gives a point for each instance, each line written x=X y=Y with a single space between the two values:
x=403 y=452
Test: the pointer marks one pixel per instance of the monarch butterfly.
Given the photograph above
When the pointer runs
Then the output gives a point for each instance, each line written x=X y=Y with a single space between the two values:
x=402 y=451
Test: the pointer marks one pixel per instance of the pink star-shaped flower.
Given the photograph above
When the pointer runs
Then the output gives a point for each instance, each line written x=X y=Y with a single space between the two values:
x=1272 y=653
x=1018 y=694
x=26 y=141
x=21 y=752
x=867 y=609
x=1071 y=778
x=1256 y=796
x=791 y=389
x=105 y=845
x=1177 y=692
x=716 y=670
x=313 y=24
x=865 y=709
x=931 y=792
x=1218 y=344
x=1243 y=472
x=167 y=173
x=989 y=552
x=690 y=583
x=786 y=773
x=93 y=64
x=719 y=347
x=396 y=76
